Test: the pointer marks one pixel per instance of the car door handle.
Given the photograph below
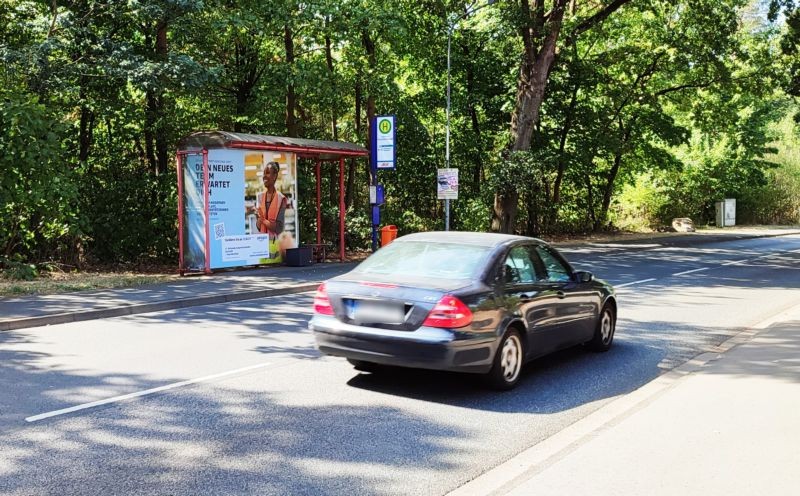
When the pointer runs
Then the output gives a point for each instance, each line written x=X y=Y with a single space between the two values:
x=561 y=294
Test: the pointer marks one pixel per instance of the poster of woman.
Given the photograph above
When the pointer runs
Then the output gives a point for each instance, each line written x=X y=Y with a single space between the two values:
x=270 y=195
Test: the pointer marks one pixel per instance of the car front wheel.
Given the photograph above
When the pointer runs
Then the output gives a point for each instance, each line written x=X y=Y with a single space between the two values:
x=604 y=331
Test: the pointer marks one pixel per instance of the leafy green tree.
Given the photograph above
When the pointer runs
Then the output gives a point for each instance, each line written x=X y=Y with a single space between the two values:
x=38 y=197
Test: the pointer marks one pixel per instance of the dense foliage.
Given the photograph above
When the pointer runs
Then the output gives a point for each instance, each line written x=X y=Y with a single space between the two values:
x=566 y=115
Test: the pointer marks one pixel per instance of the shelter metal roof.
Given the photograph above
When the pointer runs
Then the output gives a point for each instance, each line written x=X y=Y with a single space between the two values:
x=325 y=150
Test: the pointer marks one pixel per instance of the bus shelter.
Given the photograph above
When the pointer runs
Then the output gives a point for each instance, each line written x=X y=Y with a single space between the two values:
x=221 y=188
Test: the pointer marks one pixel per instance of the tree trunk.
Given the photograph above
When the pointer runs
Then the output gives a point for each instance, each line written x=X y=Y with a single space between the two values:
x=86 y=130
x=156 y=133
x=351 y=173
x=291 y=97
x=332 y=75
x=334 y=173
x=242 y=89
x=611 y=177
x=477 y=171
x=562 y=164
x=590 y=195
x=532 y=81
x=150 y=119
x=504 y=212
x=531 y=84
x=539 y=35
x=163 y=136
x=369 y=49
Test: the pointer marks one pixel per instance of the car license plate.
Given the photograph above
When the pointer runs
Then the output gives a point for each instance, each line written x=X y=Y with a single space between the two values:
x=375 y=312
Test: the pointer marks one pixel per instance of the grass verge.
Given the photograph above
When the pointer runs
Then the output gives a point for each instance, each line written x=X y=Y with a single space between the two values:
x=68 y=282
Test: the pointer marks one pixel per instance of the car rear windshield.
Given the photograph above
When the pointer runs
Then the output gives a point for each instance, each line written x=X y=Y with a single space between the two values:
x=426 y=259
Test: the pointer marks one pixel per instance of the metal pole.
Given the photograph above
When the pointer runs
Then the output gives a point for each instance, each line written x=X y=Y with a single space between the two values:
x=342 y=210
x=447 y=128
x=179 y=171
x=319 y=204
x=206 y=209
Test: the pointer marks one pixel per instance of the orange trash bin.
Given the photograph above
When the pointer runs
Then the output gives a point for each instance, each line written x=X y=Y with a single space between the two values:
x=388 y=234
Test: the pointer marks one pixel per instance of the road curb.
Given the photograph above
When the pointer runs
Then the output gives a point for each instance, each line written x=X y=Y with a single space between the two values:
x=516 y=471
x=694 y=238
x=122 y=310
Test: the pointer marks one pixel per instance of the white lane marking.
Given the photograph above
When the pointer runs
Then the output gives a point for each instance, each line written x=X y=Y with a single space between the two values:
x=634 y=282
x=138 y=394
x=736 y=262
x=690 y=271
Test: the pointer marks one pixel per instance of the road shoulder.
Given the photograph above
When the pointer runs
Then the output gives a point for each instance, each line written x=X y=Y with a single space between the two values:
x=690 y=431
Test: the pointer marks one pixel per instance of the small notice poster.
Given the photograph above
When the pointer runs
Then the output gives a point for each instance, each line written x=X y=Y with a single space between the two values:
x=447 y=184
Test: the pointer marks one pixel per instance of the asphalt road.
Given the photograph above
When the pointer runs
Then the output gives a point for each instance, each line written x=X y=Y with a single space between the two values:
x=269 y=415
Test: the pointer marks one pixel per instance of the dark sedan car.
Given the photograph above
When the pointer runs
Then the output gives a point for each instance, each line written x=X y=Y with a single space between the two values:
x=468 y=302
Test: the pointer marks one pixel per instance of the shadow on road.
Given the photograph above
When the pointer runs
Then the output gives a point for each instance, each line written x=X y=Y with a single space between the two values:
x=215 y=438
x=556 y=383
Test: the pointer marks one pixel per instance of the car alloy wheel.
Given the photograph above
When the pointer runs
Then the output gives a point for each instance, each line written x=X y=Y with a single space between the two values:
x=511 y=358
x=507 y=362
x=607 y=326
x=604 y=332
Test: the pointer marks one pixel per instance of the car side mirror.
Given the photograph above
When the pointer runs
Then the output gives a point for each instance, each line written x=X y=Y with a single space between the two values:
x=583 y=276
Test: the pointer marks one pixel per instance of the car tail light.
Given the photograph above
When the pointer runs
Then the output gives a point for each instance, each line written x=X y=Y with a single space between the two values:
x=322 y=304
x=450 y=312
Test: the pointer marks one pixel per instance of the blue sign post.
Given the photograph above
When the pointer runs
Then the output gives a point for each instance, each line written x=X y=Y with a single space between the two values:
x=383 y=155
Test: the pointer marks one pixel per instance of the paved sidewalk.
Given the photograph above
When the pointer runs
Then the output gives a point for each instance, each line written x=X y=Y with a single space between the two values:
x=724 y=423
x=34 y=311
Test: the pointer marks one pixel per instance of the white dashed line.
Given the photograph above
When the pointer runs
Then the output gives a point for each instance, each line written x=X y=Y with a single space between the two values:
x=731 y=262
x=735 y=262
x=690 y=271
x=123 y=397
x=634 y=282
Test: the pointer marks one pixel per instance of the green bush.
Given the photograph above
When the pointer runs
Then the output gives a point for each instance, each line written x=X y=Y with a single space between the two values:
x=640 y=206
x=38 y=196
x=18 y=271
x=132 y=216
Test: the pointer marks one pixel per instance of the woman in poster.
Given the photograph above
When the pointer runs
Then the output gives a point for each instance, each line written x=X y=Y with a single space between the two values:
x=271 y=211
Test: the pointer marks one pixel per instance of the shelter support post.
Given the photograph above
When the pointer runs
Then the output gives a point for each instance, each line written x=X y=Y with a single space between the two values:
x=207 y=219
x=341 y=209
x=319 y=204
x=179 y=171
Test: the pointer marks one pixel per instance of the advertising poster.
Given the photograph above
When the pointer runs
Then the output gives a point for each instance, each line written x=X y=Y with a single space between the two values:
x=279 y=201
x=194 y=236
x=252 y=208
x=447 y=184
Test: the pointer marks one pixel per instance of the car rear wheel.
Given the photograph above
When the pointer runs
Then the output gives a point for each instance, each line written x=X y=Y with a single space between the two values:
x=604 y=331
x=507 y=362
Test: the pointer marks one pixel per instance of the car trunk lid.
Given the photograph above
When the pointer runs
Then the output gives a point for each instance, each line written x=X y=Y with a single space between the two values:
x=382 y=304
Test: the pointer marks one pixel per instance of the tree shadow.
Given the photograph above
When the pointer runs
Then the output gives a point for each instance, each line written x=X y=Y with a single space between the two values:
x=273 y=324
x=663 y=262
x=218 y=438
x=774 y=353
